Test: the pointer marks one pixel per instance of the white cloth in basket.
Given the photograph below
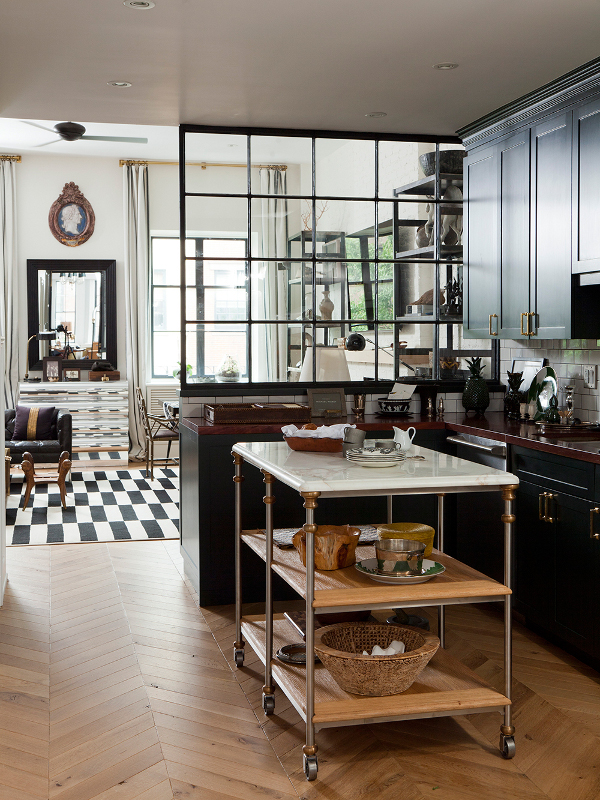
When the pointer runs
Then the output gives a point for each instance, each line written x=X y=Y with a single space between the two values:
x=324 y=432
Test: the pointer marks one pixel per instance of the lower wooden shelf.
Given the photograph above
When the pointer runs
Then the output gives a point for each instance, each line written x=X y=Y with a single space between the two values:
x=444 y=688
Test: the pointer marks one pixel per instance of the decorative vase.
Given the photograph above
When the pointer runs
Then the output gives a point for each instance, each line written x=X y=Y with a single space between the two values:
x=513 y=399
x=476 y=395
x=326 y=305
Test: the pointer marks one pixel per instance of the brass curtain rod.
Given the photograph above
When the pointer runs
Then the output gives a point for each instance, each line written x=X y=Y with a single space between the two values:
x=16 y=159
x=203 y=164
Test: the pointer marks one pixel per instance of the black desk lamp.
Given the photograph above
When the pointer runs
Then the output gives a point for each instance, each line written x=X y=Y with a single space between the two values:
x=42 y=336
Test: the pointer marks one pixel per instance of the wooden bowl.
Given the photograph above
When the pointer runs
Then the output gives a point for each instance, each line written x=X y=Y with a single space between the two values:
x=335 y=546
x=313 y=445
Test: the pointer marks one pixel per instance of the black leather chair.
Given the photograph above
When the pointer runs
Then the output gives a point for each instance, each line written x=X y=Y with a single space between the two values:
x=43 y=450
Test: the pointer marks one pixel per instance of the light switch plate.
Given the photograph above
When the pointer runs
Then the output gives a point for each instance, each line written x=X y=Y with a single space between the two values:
x=589 y=376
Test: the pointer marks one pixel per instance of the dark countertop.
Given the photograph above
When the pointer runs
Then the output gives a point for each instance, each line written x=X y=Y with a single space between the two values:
x=584 y=446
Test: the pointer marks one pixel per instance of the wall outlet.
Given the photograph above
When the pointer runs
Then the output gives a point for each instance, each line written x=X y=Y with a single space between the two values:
x=589 y=376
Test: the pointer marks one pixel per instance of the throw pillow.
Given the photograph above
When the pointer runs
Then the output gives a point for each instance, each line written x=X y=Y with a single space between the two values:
x=33 y=422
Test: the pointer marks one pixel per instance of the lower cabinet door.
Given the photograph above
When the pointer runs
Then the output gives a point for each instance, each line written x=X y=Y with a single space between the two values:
x=576 y=572
x=534 y=558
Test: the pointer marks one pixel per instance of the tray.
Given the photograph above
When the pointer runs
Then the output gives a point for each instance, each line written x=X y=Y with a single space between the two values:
x=256 y=413
x=368 y=566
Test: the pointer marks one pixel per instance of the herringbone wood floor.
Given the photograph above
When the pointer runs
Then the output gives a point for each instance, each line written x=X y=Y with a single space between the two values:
x=113 y=687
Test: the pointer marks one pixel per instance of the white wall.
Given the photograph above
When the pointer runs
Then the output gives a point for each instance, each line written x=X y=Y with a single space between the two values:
x=40 y=180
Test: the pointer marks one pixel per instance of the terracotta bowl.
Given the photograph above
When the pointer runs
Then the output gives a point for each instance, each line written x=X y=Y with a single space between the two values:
x=313 y=445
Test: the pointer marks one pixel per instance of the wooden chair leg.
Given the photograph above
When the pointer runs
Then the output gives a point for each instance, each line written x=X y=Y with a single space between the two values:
x=168 y=451
x=147 y=456
x=63 y=471
x=27 y=466
x=151 y=460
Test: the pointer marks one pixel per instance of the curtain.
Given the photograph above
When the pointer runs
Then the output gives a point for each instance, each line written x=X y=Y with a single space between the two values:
x=270 y=285
x=9 y=305
x=137 y=277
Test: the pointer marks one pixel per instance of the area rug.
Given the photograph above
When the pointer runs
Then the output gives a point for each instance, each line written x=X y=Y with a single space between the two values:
x=103 y=506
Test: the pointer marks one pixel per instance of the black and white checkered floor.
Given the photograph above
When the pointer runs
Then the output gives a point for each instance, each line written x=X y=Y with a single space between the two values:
x=101 y=507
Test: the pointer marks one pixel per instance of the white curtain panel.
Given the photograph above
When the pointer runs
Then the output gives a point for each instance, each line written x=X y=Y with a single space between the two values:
x=137 y=294
x=9 y=305
x=270 y=285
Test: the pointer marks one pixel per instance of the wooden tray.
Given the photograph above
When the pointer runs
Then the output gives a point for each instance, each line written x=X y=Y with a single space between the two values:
x=257 y=413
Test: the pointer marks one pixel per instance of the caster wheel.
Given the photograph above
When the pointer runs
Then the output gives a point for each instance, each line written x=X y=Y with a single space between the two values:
x=311 y=767
x=268 y=704
x=238 y=656
x=507 y=746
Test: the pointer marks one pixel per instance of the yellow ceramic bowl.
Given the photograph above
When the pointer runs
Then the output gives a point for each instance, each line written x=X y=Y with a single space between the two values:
x=409 y=530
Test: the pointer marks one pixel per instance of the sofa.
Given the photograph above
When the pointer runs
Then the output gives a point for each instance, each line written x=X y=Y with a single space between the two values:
x=42 y=450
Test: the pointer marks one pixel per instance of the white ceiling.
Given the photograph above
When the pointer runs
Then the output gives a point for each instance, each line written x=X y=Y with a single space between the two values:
x=319 y=64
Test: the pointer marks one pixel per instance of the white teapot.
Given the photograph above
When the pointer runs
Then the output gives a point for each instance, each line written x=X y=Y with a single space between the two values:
x=404 y=438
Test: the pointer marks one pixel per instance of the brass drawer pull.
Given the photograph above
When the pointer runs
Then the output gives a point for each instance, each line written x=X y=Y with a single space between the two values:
x=592 y=512
x=529 y=316
x=541 y=514
x=492 y=316
x=547 y=518
x=523 y=332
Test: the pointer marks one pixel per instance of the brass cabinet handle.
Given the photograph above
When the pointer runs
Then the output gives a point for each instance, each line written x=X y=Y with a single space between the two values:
x=549 y=496
x=541 y=514
x=592 y=512
x=492 y=316
x=524 y=314
x=530 y=314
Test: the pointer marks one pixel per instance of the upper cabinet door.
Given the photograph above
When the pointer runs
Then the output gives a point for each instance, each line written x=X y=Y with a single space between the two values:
x=550 y=290
x=514 y=208
x=586 y=188
x=481 y=287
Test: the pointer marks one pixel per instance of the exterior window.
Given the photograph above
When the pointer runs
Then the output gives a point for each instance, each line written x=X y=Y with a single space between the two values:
x=315 y=237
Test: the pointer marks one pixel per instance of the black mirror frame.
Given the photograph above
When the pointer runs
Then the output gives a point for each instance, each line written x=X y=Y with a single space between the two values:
x=109 y=268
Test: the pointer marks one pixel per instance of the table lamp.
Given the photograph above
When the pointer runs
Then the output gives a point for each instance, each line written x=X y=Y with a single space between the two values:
x=331 y=365
x=41 y=336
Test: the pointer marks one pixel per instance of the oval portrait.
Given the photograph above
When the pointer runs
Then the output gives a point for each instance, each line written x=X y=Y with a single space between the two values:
x=71 y=217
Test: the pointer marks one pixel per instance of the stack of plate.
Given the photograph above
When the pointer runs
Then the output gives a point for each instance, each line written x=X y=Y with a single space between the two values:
x=375 y=456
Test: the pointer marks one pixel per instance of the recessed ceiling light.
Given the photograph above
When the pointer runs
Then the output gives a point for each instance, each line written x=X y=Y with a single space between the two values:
x=445 y=65
x=376 y=114
x=141 y=5
x=119 y=84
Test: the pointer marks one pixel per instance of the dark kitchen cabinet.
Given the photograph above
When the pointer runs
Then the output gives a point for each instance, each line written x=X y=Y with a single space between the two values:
x=480 y=282
x=557 y=560
x=550 y=278
x=586 y=188
x=520 y=274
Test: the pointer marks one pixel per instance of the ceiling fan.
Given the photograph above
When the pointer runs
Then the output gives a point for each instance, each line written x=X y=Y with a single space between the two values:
x=72 y=131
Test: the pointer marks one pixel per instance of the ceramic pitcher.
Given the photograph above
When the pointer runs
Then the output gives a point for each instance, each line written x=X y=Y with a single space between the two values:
x=404 y=438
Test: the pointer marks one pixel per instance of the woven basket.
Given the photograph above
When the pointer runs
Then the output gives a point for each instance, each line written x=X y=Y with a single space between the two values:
x=340 y=649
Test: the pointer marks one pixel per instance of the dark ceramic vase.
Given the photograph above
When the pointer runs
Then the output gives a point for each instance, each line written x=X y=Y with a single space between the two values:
x=476 y=395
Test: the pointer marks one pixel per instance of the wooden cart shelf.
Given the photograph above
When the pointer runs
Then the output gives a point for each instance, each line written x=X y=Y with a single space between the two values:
x=444 y=688
x=348 y=588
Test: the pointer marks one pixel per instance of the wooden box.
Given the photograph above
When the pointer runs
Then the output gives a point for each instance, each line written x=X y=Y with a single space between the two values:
x=257 y=413
x=113 y=375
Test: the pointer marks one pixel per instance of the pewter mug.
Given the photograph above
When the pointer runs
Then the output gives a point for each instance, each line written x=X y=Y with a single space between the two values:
x=399 y=556
x=353 y=437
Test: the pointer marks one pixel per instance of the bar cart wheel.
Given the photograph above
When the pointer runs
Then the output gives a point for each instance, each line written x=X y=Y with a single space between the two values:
x=268 y=704
x=238 y=656
x=311 y=767
x=507 y=746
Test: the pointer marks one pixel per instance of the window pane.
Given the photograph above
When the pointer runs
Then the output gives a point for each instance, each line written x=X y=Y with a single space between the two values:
x=165 y=354
x=216 y=148
x=414 y=290
x=165 y=309
x=214 y=346
x=340 y=220
x=345 y=167
x=293 y=152
x=165 y=261
x=451 y=285
x=275 y=223
x=216 y=216
x=277 y=352
x=399 y=165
